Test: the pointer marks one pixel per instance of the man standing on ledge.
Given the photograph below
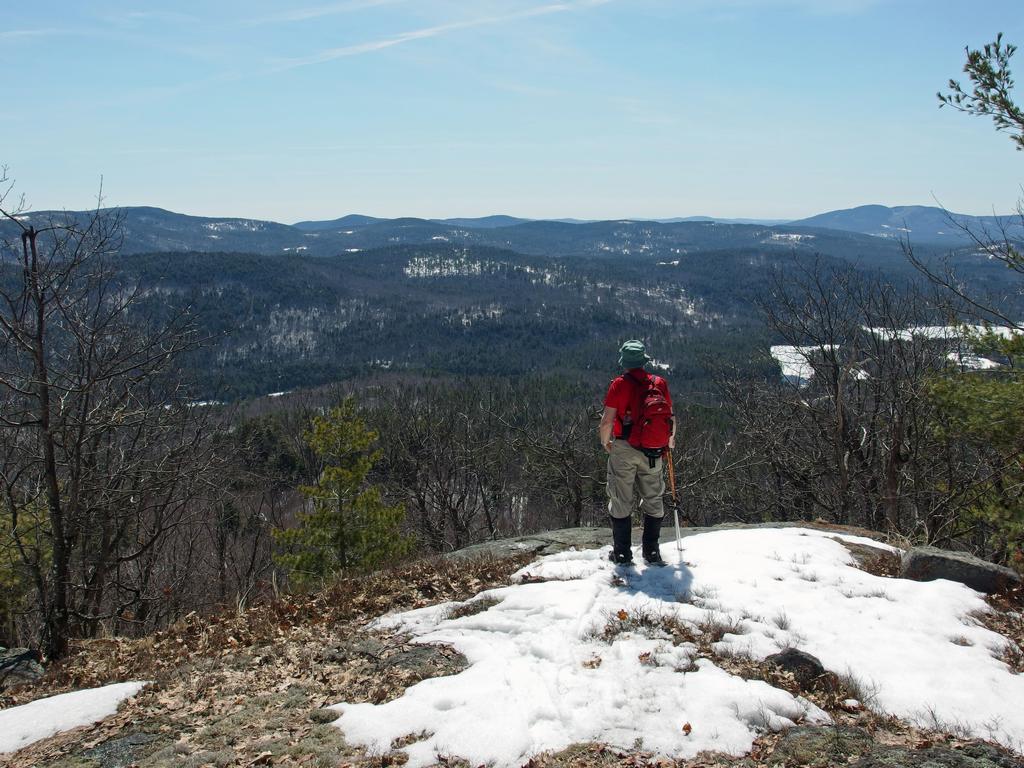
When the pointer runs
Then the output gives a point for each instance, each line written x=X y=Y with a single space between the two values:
x=636 y=428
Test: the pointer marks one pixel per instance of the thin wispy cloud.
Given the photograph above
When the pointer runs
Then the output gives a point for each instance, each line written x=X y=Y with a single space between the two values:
x=319 y=11
x=370 y=46
x=100 y=26
x=815 y=7
x=13 y=34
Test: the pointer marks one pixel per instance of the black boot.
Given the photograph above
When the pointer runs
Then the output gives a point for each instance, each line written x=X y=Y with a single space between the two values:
x=652 y=529
x=621 y=553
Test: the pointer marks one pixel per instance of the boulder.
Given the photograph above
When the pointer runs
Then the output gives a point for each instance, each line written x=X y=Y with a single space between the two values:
x=803 y=666
x=930 y=563
x=976 y=755
x=547 y=543
x=828 y=746
x=19 y=666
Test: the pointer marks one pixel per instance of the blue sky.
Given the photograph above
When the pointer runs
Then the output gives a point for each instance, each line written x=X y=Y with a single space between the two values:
x=537 y=108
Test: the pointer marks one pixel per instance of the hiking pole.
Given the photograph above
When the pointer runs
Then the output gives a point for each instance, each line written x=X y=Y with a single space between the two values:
x=675 y=502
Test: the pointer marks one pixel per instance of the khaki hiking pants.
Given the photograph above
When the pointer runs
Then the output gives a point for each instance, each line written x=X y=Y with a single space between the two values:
x=626 y=466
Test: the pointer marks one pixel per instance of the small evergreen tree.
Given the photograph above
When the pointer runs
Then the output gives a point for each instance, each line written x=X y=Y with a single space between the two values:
x=32 y=544
x=986 y=409
x=347 y=524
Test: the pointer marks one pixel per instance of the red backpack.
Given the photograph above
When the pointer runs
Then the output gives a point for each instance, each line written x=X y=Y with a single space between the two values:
x=651 y=415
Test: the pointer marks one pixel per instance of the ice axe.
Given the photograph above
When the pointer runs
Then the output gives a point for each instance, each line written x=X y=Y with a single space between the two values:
x=675 y=501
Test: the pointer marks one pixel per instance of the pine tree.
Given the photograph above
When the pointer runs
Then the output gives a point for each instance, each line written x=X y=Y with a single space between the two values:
x=346 y=524
x=986 y=409
x=32 y=544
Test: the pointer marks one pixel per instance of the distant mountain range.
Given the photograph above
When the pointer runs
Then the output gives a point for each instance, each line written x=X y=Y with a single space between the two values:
x=916 y=223
x=289 y=306
x=358 y=220
x=919 y=223
x=152 y=230
x=489 y=222
x=870 y=233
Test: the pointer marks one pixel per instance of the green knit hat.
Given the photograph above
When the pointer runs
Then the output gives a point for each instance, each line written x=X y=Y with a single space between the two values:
x=632 y=355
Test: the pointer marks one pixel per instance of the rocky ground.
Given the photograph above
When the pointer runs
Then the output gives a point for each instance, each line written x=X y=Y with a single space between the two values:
x=248 y=688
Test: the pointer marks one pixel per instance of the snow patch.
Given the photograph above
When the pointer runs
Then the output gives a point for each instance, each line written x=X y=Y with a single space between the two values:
x=795 y=362
x=540 y=679
x=40 y=719
x=940 y=332
x=971 y=362
x=246 y=225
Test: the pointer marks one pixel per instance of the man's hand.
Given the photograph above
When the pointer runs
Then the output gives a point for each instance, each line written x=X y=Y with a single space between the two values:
x=605 y=430
x=671 y=442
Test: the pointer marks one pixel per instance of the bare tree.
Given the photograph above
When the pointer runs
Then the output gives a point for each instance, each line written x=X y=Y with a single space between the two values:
x=853 y=439
x=95 y=426
x=563 y=461
x=451 y=457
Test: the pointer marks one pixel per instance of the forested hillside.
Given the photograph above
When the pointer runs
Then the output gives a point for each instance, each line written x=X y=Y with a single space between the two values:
x=279 y=322
x=276 y=323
